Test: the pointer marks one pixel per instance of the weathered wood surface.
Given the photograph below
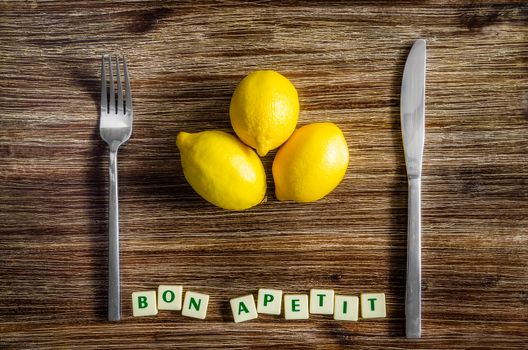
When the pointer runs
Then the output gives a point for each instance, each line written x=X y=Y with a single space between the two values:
x=185 y=59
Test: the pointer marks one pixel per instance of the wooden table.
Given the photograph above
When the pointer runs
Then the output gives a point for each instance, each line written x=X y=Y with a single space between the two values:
x=346 y=60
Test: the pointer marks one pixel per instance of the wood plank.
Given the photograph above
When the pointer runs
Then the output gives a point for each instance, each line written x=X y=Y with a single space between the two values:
x=346 y=60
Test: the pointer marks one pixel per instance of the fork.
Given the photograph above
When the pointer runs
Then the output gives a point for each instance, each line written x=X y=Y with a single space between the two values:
x=115 y=127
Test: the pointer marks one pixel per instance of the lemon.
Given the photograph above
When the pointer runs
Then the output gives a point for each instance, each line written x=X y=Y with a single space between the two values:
x=222 y=169
x=311 y=163
x=264 y=110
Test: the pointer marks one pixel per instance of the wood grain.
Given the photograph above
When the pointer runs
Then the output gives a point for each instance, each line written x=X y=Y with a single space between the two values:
x=185 y=58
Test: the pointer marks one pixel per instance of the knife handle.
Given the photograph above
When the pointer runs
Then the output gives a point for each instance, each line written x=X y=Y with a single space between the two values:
x=413 y=292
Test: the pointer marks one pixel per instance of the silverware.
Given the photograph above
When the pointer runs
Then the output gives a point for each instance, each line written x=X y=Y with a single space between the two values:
x=412 y=111
x=115 y=128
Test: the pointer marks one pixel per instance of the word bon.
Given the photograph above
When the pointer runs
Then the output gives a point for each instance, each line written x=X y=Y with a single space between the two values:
x=169 y=297
x=270 y=301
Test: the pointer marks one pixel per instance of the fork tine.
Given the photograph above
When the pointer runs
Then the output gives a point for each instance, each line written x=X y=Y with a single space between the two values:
x=127 y=89
x=104 y=96
x=112 y=89
x=119 y=89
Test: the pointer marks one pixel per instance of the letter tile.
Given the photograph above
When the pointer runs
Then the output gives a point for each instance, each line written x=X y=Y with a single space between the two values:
x=269 y=301
x=144 y=303
x=373 y=305
x=322 y=301
x=296 y=307
x=346 y=308
x=170 y=297
x=195 y=305
x=243 y=308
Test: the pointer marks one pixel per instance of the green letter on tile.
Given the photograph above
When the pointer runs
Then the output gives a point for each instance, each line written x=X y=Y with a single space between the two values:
x=321 y=297
x=142 y=302
x=242 y=308
x=195 y=303
x=372 y=303
x=295 y=305
x=268 y=298
x=171 y=298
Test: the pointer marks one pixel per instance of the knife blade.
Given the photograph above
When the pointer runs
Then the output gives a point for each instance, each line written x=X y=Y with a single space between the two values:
x=412 y=111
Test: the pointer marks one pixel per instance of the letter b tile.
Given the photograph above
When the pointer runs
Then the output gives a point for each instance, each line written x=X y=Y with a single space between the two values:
x=144 y=303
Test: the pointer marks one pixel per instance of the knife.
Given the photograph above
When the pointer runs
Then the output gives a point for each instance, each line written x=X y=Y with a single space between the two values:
x=412 y=110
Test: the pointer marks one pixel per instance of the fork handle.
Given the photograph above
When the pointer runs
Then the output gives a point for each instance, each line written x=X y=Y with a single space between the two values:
x=114 y=295
x=413 y=292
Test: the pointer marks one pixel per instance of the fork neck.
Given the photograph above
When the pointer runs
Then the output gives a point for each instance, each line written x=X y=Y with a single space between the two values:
x=114 y=146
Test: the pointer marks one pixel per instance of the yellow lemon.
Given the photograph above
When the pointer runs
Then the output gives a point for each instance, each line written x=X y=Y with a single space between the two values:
x=311 y=163
x=221 y=169
x=264 y=110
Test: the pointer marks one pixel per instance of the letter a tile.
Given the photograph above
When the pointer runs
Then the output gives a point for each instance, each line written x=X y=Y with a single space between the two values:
x=243 y=308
